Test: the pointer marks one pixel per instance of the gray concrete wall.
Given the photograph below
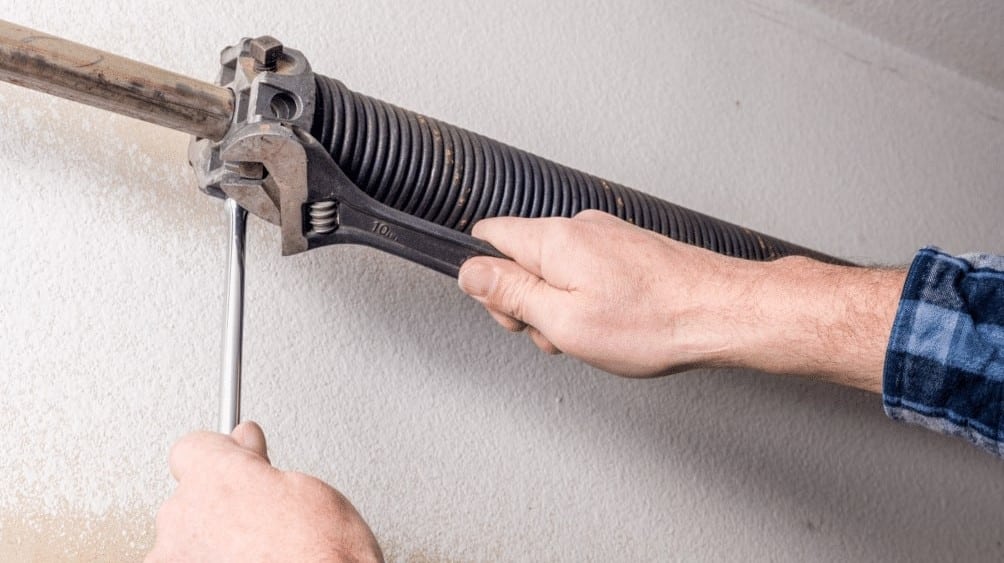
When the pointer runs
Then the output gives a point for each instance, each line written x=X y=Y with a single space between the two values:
x=456 y=440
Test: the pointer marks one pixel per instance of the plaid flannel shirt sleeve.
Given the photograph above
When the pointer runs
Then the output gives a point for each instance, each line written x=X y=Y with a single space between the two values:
x=944 y=368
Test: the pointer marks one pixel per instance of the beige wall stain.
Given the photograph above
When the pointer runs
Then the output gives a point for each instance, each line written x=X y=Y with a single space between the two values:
x=38 y=535
x=129 y=159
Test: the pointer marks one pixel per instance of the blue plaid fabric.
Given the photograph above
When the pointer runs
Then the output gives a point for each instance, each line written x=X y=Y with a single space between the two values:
x=944 y=368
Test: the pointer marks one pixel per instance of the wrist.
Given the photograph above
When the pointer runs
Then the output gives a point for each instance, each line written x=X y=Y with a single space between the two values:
x=804 y=317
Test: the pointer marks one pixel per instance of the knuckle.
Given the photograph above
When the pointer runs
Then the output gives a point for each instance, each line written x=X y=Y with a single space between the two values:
x=562 y=230
x=303 y=486
x=482 y=228
x=543 y=343
x=177 y=450
x=303 y=483
x=563 y=237
x=187 y=445
x=590 y=214
x=511 y=296
x=507 y=322
x=240 y=464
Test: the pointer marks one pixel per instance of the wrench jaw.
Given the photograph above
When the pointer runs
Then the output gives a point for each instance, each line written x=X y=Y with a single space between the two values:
x=279 y=196
x=298 y=172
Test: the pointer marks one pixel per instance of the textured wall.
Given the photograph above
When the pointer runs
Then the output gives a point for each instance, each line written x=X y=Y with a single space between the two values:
x=456 y=440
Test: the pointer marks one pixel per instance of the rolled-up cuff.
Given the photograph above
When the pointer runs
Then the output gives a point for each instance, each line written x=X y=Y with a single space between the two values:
x=944 y=367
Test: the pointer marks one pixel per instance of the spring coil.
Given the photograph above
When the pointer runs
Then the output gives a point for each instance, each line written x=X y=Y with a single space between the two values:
x=452 y=177
x=323 y=216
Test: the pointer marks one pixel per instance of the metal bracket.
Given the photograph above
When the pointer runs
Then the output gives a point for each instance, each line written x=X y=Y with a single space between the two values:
x=271 y=84
x=270 y=165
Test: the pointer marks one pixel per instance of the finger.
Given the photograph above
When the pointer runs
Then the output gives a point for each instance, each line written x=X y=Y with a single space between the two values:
x=505 y=287
x=250 y=436
x=519 y=238
x=190 y=452
x=507 y=322
x=542 y=342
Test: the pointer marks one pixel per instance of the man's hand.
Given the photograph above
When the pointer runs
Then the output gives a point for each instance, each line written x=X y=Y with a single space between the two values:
x=638 y=304
x=232 y=505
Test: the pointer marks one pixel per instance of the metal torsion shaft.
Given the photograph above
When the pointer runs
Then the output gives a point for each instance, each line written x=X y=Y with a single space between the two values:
x=56 y=66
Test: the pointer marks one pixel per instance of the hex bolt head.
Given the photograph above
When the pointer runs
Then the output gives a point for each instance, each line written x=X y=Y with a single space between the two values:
x=265 y=51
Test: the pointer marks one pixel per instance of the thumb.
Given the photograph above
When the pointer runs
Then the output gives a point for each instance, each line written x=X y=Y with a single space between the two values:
x=506 y=287
x=249 y=435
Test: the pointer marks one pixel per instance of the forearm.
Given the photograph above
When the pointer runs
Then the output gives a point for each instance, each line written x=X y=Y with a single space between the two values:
x=637 y=304
x=812 y=319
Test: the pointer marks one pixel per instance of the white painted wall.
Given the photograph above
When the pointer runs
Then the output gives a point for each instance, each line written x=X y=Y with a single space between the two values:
x=456 y=440
x=966 y=36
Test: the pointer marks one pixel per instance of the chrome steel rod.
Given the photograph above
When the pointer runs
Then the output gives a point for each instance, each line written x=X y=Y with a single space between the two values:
x=56 y=66
x=233 y=320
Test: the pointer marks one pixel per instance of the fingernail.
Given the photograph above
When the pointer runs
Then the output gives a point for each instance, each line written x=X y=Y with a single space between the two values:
x=476 y=279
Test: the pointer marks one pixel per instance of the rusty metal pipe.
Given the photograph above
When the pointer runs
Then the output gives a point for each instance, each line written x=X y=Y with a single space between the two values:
x=76 y=72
